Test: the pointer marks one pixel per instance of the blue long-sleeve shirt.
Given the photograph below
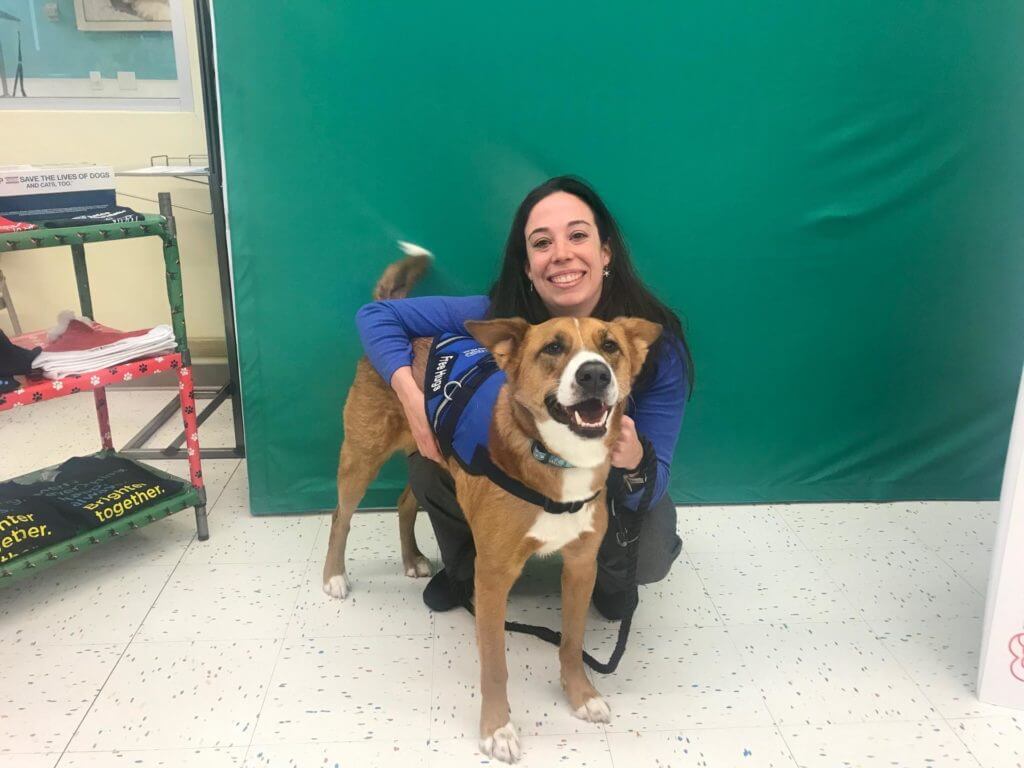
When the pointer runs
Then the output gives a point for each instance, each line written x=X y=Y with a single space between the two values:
x=386 y=329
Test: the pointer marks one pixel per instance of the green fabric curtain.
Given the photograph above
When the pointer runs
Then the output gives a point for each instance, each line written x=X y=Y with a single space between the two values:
x=830 y=194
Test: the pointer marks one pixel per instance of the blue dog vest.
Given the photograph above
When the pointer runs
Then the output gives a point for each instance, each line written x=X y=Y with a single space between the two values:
x=460 y=389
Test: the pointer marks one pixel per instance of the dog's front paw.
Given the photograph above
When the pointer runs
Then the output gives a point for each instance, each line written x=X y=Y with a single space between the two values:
x=503 y=744
x=594 y=710
x=418 y=568
x=337 y=586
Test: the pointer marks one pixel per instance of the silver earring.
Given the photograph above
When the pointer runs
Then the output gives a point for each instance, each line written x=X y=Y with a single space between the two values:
x=607 y=272
x=531 y=286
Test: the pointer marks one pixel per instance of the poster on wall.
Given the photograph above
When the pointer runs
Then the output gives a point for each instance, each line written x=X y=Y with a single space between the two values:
x=123 y=15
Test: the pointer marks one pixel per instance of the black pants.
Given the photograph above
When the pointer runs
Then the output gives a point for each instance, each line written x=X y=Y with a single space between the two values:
x=435 y=490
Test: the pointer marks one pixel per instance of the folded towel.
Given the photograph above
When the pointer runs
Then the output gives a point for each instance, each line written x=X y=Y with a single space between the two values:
x=78 y=347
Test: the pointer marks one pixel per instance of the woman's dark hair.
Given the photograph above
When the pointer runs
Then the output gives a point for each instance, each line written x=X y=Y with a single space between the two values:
x=623 y=294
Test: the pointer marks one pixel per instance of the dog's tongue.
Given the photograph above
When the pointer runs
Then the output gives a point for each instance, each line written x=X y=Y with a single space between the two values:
x=591 y=410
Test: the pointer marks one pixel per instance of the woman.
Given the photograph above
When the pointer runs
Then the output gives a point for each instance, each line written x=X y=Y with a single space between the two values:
x=564 y=256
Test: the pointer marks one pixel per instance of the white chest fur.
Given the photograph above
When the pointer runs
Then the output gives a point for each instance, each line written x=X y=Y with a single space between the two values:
x=555 y=531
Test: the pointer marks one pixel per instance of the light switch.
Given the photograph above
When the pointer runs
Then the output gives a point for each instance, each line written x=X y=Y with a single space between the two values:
x=52 y=11
x=126 y=81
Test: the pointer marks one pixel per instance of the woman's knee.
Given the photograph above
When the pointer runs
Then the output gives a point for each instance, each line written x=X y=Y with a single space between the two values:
x=660 y=545
x=428 y=479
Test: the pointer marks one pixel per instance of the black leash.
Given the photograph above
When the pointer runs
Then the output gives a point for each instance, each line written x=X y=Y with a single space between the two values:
x=627 y=535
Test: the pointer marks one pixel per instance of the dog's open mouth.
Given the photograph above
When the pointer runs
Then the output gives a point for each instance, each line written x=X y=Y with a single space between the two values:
x=588 y=418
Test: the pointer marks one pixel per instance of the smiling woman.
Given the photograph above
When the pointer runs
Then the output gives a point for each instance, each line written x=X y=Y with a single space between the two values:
x=564 y=257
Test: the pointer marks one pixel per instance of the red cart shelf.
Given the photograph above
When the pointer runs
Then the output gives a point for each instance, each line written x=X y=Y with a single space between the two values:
x=39 y=390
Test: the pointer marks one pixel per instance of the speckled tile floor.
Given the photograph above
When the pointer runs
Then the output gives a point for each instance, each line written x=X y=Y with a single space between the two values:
x=799 y=635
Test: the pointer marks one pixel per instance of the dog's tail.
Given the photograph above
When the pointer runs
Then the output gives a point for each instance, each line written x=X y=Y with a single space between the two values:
x=400 y=277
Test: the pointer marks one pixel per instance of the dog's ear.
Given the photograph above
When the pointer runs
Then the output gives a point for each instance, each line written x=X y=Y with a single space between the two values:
x=501 y=337
x=641 y=335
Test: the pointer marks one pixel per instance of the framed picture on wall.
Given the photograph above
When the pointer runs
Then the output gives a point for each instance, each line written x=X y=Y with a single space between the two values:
x=123 y=15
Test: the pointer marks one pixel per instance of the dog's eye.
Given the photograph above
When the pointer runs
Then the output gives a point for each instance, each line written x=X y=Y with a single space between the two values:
x=554 y=348
x=609 y=346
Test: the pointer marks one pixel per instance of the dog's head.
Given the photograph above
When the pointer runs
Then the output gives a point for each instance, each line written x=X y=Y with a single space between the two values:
x=572 y=375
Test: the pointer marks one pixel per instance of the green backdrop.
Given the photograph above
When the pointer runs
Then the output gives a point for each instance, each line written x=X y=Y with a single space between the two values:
x=830 y=194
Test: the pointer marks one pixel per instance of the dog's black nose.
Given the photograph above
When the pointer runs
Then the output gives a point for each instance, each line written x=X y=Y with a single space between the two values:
x=593 y=377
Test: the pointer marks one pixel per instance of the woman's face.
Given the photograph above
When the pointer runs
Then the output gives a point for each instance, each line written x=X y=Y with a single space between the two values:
x=565 y=259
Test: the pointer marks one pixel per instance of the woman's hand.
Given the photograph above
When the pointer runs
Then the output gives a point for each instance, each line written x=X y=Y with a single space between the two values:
x=413 y=403
x=628 y=451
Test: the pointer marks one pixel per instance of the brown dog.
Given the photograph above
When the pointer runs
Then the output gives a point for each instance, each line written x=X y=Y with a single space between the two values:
x=567 y=384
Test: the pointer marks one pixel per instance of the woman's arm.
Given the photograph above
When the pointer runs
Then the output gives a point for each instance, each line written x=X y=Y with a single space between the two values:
x=658 y=414
x=386 y=328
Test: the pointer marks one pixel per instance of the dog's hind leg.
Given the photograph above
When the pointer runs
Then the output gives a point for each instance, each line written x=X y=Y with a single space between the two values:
x=413 y=561
x=375 y=428
x=354 y=476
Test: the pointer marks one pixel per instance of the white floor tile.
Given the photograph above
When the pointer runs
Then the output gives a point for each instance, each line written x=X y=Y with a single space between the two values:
x=70 y=426
x=816 y=674
x=786 y=585
x=947 y=523
x=244 y=539
x=732 y=637
x=680 y=679
x=734 y=529
x=383 y=602
x=578 y=751
x=707 y=748
x=46 y=691
x=534 y=692
x=997 y=742
x=942 y=658
x=343 y=689
x=216 y=473
x=225 y=602
x=971 y=561
x=680 y=600
x=911 y=582
x=75 y=602
x=357 y=754
x=926 y=744
x=234 y=497
x=843 y=526
x=373 y=540
x=216 y=432
x=229 y=757
x=30 y=761
x=166 y=695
